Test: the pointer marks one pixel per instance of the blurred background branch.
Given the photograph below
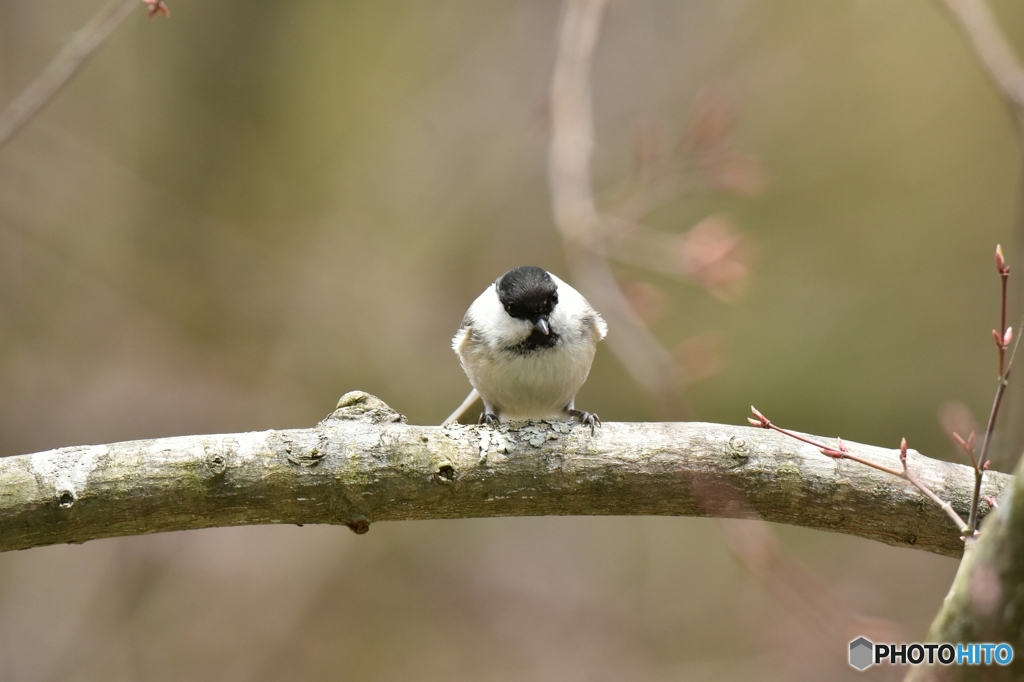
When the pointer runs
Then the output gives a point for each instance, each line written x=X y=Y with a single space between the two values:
x=71 y=57
x=575 y=212
x=994 y=52
x=710 y=254
x=1000 y=61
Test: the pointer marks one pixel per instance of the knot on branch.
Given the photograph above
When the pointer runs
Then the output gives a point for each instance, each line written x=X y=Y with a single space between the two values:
x=445 y=473
x=66 y=498
x=214 y=460
x=358 y=525
x=363 y=406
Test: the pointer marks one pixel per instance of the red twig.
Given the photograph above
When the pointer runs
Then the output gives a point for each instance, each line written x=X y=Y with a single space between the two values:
x=842 y=452
x=1003 y=341
x=1005 y=335
x=967 y=446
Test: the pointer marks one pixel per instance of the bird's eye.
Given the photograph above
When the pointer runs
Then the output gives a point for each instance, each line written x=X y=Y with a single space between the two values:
x=554 y=299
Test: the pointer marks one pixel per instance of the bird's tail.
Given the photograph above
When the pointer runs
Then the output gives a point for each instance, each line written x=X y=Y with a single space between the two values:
x=466 y=404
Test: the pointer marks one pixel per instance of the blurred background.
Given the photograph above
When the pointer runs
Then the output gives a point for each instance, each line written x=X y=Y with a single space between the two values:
x=235 y=215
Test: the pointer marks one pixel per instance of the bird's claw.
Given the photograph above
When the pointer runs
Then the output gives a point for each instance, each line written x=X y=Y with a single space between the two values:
x=587 y=419
x=488 y=418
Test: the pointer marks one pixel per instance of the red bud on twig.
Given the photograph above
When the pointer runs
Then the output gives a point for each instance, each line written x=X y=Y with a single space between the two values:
x=903 y=452
x=158 y=7
x=1007 y=337
x=1001 y=265
x=842 y=445
x=762 y=420
x=998 y=339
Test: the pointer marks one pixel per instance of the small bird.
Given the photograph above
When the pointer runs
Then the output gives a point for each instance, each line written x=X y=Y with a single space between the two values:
x=526 y=345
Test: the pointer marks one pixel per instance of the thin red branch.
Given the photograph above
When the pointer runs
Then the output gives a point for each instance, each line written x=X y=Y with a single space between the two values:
x=1002 y=343
x=1005 y=334
x=967 y=446
x=982 y=462
x=842 y=452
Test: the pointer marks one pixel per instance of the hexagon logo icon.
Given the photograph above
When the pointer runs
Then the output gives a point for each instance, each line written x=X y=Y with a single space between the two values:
x=861 y=650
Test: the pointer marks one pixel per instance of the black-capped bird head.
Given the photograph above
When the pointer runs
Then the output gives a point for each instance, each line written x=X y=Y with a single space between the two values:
x=528 y=293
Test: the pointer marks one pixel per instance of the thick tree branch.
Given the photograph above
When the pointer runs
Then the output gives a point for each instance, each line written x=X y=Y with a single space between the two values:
x=364 y=464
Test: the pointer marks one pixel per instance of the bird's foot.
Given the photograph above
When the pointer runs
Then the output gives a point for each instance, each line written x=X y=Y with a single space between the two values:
x=587 y=419
x=488 y=418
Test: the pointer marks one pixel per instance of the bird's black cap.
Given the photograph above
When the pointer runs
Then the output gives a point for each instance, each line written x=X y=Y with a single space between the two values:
x=527 y=293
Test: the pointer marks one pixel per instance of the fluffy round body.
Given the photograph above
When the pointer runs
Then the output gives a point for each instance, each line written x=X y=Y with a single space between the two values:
x=519 y=372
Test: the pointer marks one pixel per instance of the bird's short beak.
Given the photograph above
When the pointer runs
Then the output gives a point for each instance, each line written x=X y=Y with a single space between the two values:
x=541 y=325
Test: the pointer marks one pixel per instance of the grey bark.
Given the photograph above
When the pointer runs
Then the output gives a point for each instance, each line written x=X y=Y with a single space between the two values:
x=364 y=464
